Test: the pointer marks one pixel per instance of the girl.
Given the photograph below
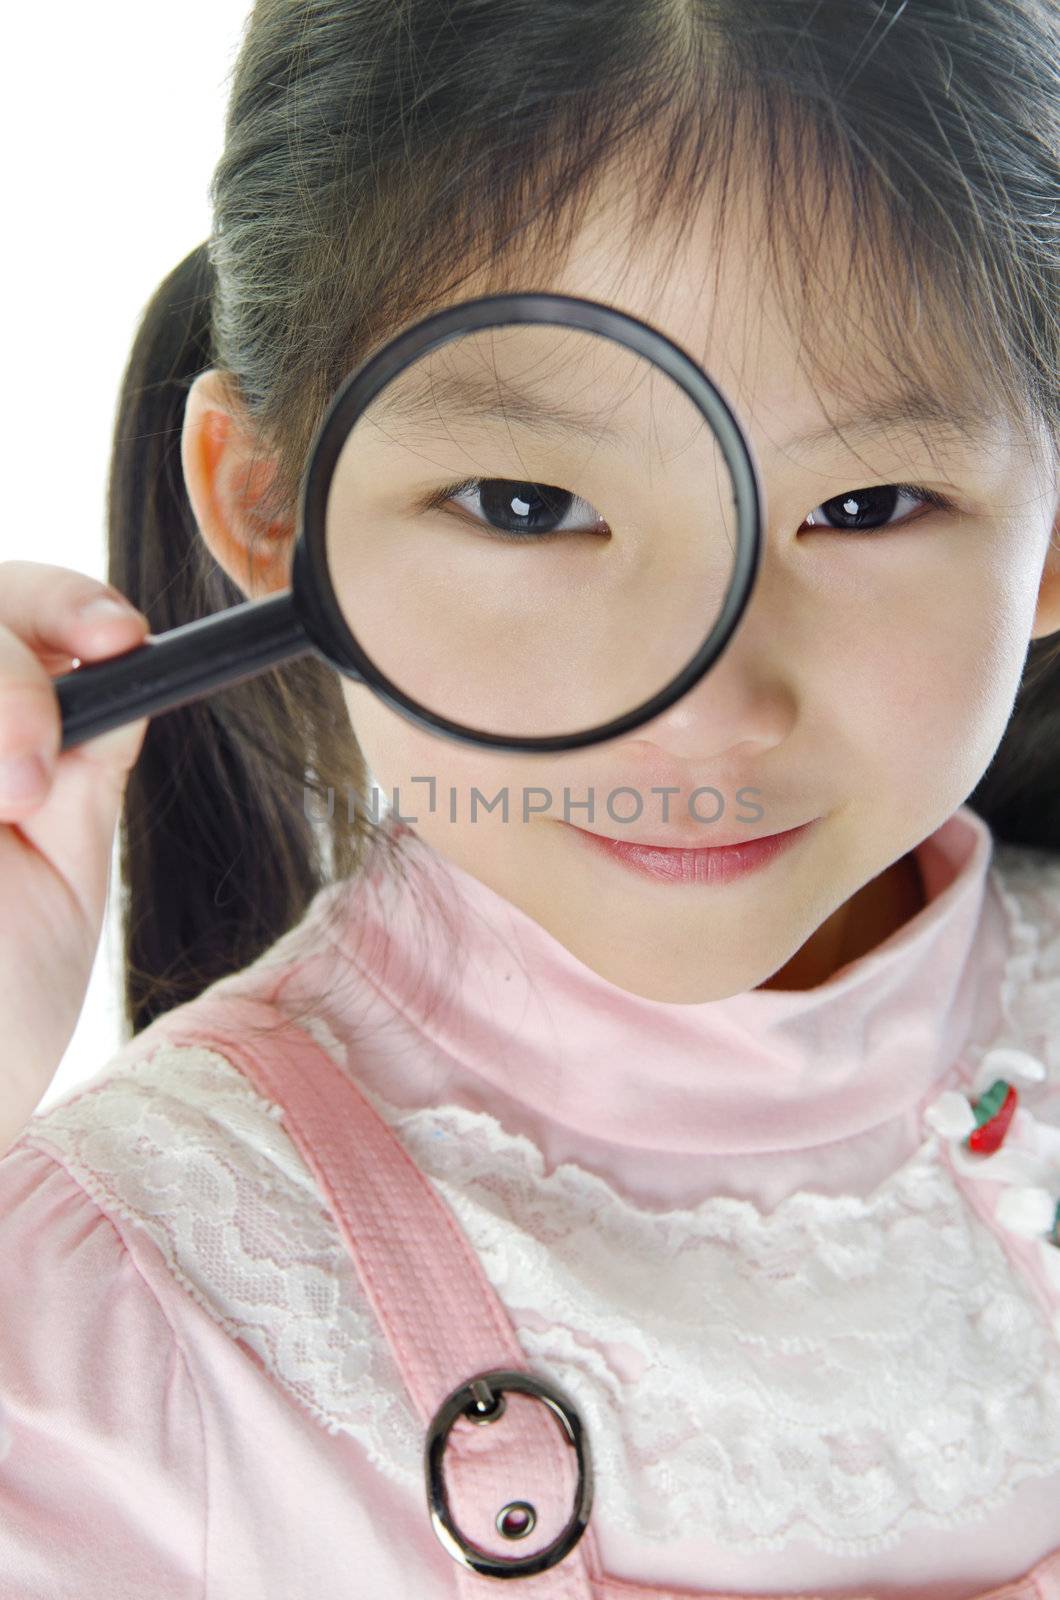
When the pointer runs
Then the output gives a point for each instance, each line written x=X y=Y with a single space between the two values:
x=757 y=1174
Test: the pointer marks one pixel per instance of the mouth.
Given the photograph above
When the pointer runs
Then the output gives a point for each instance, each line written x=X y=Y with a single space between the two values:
x=712 y=864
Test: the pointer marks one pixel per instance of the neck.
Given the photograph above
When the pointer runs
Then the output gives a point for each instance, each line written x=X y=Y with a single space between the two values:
x=878 y=909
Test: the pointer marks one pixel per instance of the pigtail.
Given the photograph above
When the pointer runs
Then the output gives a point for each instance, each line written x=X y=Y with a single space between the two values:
x=219 y=852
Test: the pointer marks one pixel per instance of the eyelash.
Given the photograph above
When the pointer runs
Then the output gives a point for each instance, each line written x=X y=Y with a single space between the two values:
x=936 y=501
x=930 y=497
x=450 y=492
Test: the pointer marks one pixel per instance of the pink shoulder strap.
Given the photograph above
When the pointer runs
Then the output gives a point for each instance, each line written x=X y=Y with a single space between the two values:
x=446 y=1326
x=438 y=1311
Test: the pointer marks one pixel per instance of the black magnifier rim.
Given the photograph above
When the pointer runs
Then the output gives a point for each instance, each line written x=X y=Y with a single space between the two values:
x=317 y=605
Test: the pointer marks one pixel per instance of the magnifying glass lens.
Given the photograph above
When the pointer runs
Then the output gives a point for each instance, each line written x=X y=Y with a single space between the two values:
x=530 y=530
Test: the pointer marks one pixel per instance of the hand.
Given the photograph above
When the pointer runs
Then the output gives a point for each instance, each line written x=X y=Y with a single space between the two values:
x=58 y=815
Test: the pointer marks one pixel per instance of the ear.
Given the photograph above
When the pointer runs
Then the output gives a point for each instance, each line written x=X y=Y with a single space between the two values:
x=224 y=484
x=1047 y=615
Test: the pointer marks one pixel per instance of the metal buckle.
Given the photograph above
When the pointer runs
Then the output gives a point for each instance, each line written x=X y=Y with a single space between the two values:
x=481 y=1400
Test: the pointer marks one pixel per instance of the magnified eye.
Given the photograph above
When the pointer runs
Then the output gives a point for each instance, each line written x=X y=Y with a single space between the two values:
x=515 y=509
x=870 y=510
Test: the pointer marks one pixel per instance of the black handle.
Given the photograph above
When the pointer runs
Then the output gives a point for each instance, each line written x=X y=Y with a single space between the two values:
x=179 y=666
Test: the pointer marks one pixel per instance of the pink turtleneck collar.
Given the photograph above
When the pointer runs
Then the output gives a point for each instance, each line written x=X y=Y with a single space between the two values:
x=767 y=1070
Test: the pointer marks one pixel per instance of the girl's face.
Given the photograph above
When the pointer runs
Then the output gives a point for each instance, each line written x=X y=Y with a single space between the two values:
x=866 y=688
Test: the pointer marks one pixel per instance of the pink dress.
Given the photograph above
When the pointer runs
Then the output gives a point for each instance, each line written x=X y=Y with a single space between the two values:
x=810 y=1338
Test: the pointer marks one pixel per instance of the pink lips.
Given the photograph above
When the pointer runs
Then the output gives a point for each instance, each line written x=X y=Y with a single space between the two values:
x=718 y=864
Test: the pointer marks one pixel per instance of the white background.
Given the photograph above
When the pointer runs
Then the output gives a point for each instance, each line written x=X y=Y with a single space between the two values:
x=111 y=123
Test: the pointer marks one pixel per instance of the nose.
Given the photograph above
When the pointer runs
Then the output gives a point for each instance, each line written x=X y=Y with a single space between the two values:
x=743 y=706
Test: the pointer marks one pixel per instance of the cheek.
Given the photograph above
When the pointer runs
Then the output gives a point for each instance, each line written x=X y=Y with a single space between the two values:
x=432 y=779
x=928 y=691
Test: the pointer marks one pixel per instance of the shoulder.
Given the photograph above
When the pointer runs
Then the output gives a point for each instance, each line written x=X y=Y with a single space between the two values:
x=170 y=1136
x=66 y=1265
x=1026 y=881
x=159 y=1137
x=174 y=1144
x=101 y=1408
x=1017 y=1185
x=173 y=1140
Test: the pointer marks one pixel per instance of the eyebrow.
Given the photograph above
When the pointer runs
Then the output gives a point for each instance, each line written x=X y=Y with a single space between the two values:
x=463 y=395
x=949 y=421
x=438 y=397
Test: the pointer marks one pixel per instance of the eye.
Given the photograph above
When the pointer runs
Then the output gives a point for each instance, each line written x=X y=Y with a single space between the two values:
x=531 y=513
x=519 y=511
x=871 y=510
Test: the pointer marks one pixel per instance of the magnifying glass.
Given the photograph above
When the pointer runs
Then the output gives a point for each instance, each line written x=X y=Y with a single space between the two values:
x=530 y=521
